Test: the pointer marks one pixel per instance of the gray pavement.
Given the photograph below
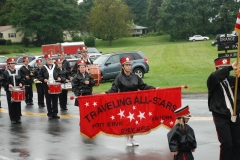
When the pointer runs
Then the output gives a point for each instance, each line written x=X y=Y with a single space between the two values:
x=38 y=138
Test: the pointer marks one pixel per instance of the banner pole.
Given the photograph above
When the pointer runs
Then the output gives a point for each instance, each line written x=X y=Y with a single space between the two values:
x=236 y=82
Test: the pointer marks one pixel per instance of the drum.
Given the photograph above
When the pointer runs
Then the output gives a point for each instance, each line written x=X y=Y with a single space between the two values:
x=54 y=88
x=96 y=73
x=67 y=86
x=18 y=94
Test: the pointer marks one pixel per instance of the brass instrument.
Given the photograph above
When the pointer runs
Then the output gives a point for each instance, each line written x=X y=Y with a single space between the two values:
x=36 y=81
x=31 y=72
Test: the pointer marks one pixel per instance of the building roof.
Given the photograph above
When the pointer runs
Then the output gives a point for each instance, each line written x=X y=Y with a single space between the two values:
x=4 y=28
x=139 y=27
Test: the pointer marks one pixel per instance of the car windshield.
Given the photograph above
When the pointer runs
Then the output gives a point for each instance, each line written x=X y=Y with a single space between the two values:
x=92 y=50
x=101 y=59
x=3 y=60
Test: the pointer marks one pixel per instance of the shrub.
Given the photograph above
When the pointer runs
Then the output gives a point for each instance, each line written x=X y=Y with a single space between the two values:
x=9 y=42
x=21 y=50
x=5 y=51
x=77 y=39
x=3 y=41
x=89 y=41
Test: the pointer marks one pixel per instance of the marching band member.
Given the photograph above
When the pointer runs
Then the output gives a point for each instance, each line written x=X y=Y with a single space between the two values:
x=221 y=87
x=63 y=76
x=38 y=83
x=48 y=75
x=181 y=138
x=127 y=82
x=26 y=72
x=66 y=65
x=84 y=56
x=82 y=82
x=8 y=82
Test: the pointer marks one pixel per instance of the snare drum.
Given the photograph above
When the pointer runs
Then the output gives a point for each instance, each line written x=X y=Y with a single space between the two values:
x=54 y=88
x=67 y=86
x=18 y=94
x=96 y=74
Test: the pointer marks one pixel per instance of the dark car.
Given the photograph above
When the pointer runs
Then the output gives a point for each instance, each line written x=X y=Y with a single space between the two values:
x=110 y=64
x=230 y=36
x=19 y=60
x=3 y=64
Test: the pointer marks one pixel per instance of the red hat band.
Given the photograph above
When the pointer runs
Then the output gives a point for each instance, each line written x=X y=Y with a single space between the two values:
x=10 y=60
x=181 y=112
x=84 y=48
x=222 y=61
x=47 y=56
x=81 y=63
x=38 y=61
x=25 y=58
x=125 y=60
x=58 y=60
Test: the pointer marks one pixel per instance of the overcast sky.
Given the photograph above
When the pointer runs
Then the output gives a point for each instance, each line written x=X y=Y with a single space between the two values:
x=80 y=1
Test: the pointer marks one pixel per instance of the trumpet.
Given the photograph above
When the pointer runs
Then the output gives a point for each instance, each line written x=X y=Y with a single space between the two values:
x=36 y=81
x=31 y=72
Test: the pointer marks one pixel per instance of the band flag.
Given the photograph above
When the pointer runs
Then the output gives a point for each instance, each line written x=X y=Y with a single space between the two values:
x=237 y=25
x=127 y=113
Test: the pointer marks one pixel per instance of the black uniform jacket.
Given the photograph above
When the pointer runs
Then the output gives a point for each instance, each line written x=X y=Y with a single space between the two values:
x=44 y=74
x=37 y=73
x=63 y=74
x=7 y=79
x=182 y=141
x=23 y=71
x=129 y=83
x=78 y=84
x=216 y=99
x=66 y=65
x=75 y=67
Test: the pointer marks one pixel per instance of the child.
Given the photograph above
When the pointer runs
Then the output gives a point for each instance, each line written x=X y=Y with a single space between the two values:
x=181 y=138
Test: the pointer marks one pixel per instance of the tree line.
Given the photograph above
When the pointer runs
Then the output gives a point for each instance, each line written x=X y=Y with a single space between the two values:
x=112 y=19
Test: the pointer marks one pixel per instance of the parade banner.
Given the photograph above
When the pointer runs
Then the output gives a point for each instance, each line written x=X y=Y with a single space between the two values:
x=127 y=113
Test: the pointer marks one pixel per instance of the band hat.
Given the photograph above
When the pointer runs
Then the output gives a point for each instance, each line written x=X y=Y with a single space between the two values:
x=81 y=63
x=58 y=60
x=182 y=112
x=48 y=55
x=25 y=58
x=125 y=60
x=38 y=60
x=84 y=48
x=11 y=60
x=222 y=61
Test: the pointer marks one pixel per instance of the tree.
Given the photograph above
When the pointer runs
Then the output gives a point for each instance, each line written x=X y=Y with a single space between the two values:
x=84 y=9
x=45 y=19
x=152 y=14
x=109 y=19
x=5 y=10
x=177 y=18
x=139 y=9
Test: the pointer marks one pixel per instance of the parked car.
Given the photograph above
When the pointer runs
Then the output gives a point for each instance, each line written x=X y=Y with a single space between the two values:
x=218 y=36
x=198 y=38
x=109 y=64
x=3 y=64
x=19 y=60
x=34 y=65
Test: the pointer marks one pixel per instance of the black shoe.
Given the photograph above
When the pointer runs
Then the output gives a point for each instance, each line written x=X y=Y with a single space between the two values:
x=31 y=103
x=27 y=103
x=43 y=105
x=14 y=122
x=19 y=121
x=50 y=117
x=64 y=109
x=56 y=117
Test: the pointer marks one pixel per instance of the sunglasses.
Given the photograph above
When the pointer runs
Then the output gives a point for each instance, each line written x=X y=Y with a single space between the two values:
x=11 y=63
x=49 y=59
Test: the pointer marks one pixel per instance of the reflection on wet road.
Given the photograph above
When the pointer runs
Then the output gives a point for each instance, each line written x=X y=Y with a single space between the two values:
x=38 y=138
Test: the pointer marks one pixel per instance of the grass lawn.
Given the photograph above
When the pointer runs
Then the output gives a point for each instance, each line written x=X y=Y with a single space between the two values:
x=171 y=63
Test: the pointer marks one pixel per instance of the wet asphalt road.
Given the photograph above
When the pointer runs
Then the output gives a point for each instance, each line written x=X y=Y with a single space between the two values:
x=38 y=138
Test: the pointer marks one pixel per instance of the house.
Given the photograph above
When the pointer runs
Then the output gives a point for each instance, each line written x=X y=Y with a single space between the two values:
x=9 y=32
x=138 y=30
